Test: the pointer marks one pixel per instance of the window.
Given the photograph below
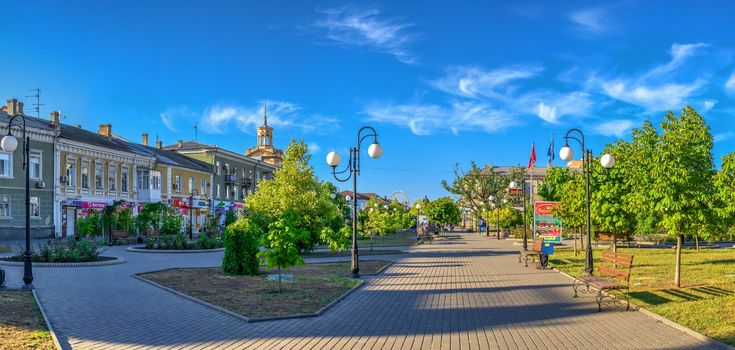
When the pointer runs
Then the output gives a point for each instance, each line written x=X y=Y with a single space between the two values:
x=219 y=165
x=143 y=179
x=85 y=174
x=35 y=207
x=203 y=187
x=35 y=165
x=4 y=206
x=112 y=172
x=124 y=180
x=99 y=173
x=227 y=191
x=191 y=184
x=218 y=192
x=156 y=180
x=6 y=164
x=71 y=172
x=177 y=183
x=227 y=169
x=244 y=192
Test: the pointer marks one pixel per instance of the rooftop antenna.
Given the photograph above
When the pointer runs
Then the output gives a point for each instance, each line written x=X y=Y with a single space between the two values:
x=196 y=132
x=38 y=104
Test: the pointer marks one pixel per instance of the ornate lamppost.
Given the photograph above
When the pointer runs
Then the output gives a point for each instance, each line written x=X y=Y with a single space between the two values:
x=566 y=154
x=8 y=144
x=497 y=212
x=353 y=167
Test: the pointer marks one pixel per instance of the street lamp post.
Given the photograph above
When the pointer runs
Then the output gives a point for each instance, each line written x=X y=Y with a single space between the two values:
x=8 y=144
x=191 y=212
x=566 y=153
x=353 y=167
x=514 y=185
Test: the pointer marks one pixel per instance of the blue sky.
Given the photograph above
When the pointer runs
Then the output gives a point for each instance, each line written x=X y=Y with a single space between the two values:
x=442 y=82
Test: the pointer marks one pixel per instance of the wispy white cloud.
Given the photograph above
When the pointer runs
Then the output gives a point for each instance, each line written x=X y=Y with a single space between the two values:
x=471 y=81
x=172 y=118
x=730 y=84
x=314 y=147
x=365 y=27
x=219 y=119
x=547 y=113
x=431 y=118
x=707 y=105
x=723 y=136
x=594 y=20
x=616 y=128
x=656 y=89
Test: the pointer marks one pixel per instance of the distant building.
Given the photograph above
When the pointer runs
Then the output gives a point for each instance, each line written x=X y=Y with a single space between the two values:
x=264 y=149
x=362 y=198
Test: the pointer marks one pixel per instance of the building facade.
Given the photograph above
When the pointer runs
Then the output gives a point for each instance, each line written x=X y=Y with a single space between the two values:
x=95 y=170
x=13 y=176
x=234 y=175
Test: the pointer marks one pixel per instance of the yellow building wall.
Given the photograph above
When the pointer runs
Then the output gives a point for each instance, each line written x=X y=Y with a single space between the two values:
x=79 y=164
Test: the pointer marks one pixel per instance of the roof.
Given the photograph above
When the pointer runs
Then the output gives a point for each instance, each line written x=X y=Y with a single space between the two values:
x=31 y=122
x=362 y=195
x=198 y=146
x=171 y=158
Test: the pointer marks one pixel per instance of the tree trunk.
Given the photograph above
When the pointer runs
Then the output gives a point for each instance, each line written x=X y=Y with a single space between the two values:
x=574 y=233
x=614 y=243
x=677 y=275
x=696 y=242
x=581 y=238
x=371 y=242
x=279 y=278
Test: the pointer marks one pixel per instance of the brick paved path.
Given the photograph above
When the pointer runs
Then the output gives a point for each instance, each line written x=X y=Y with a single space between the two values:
x=466 y=292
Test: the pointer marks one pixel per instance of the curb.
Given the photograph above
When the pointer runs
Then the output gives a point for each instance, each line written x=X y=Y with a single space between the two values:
x=254 y=319
x=115 y=261
x=138 y=249
x=45 y=319
x=711 y=342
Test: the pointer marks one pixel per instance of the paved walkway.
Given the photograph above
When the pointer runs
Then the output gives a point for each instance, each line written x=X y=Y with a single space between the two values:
x=465 y=292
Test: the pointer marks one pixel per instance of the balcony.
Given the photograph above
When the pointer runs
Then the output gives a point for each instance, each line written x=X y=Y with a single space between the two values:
x=230 y=179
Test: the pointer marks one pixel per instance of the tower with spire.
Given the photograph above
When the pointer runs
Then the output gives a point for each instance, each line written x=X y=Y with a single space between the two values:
x=264 y=148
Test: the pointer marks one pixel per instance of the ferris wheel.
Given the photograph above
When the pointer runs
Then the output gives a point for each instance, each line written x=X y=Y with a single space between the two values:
x=400 y=196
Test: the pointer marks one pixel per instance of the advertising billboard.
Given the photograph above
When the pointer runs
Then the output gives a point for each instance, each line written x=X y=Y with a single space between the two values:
x=545 y=224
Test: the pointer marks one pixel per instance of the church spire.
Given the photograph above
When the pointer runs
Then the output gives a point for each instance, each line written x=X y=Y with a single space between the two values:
x=265 y=113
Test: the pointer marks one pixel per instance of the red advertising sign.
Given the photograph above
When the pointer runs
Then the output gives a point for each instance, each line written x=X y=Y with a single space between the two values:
x=545 y=224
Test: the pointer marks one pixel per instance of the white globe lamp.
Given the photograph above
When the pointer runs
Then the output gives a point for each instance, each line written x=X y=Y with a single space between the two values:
x=566 y=153
x=375 y=150
x=9 y=143
x=333 y=159
x=607 y=161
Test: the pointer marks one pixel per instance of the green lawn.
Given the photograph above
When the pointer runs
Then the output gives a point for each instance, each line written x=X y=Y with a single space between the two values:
x=706 y=300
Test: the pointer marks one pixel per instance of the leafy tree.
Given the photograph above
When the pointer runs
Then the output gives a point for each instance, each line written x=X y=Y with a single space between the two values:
x=475 y=186
x=337 y=241
x=572 y=204
x=553 y=187
x=683 y=180
x=171 y=222
x=609 y=197
x=282 y=241
x=230 y=218
x=149 y=217
x=90 y=225
x=725 y=187
x=295 y=188
x=242 y=239
x=443 y=211
x=376 y=220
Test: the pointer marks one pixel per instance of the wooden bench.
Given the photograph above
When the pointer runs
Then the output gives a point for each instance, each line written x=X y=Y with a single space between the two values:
x=613 y=280
x=533 y=252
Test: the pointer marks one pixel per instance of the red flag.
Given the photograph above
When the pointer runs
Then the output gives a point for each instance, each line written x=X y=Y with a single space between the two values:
x=533 y=156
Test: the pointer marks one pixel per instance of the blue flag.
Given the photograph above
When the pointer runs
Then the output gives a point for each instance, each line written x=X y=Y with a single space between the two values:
x=550 y=153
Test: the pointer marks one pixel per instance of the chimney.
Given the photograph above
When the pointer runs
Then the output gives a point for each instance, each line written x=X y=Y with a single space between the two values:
x=145 y=139
x=180 y=144
x=12 y=107
x=105 y=130
x=159 y=144
x=55 y=118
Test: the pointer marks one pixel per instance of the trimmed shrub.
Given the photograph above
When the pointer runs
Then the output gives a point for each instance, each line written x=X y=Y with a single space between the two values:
x=241 y=248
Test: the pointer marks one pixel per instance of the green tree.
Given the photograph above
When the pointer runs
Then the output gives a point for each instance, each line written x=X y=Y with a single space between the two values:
x=149 y=218
x=475 y=186
x=443 y=211
x=725 y=187
x=230 y=218
x=375 y=220
x=282 y=241
x=242 y=244
x=553 y=186
x=296 y=188
x=609 y=197
x=339 y=240
x=683 y=180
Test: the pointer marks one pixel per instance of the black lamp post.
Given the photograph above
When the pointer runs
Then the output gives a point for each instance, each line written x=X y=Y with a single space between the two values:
x=566 y=153
x=353 y=167
x=191 y=212
x=8 y=144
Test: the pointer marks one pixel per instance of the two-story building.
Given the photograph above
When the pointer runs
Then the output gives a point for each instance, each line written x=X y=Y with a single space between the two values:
x=182 y=178
x=13 y=176
x=234 y=175
x=95 y=170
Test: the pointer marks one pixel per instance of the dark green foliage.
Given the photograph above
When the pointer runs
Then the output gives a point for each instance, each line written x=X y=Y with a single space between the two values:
x=171 y=223
x=241 y=241
x=73 y=251
x=90 y=225
x=230 y=218
x=149 y=217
